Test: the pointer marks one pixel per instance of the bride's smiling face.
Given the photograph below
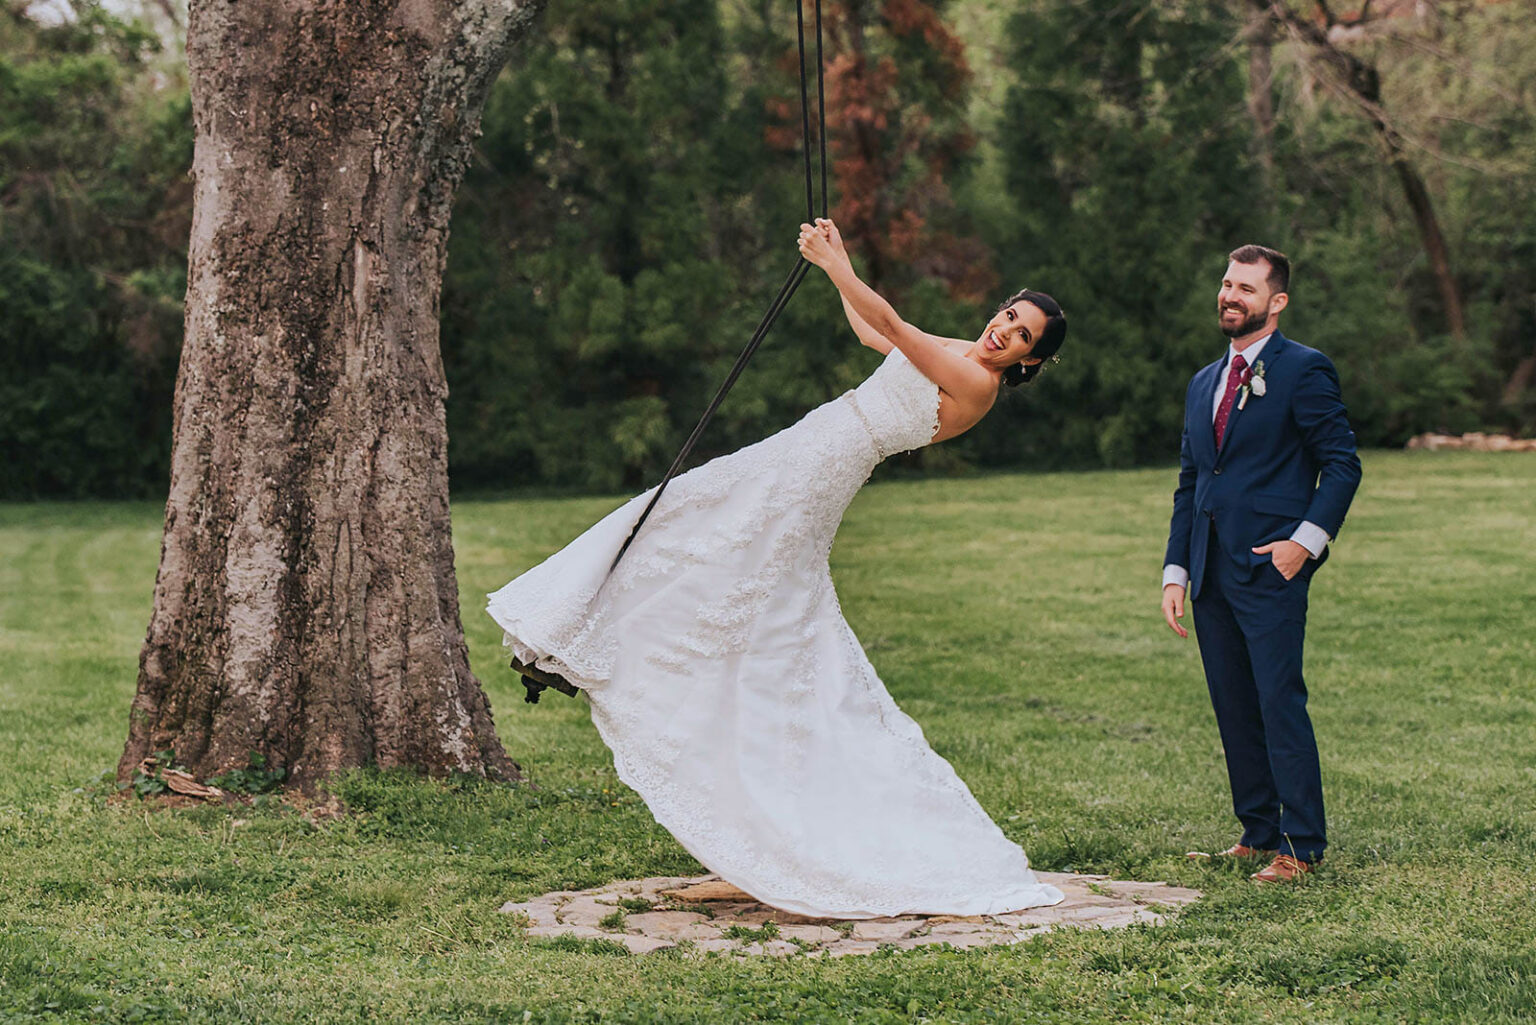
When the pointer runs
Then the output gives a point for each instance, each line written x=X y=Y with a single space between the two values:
x=1010 y=335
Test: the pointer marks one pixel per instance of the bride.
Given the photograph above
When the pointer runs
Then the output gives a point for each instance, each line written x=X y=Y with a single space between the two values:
x=736 y=700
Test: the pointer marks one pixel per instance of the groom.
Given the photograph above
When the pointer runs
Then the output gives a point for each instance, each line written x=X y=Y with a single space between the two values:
x=1267 y=469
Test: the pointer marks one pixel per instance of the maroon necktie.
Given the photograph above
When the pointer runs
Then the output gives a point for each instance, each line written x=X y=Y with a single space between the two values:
x=1224 y=411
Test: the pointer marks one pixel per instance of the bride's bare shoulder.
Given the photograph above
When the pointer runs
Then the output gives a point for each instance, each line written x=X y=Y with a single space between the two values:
x=959 y=345
x=958 y=414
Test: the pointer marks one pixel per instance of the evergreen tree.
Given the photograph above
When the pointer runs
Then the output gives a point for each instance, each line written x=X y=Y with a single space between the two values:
x=94 y=214
x=645 y=156
x=1126 y=153
x=599 y=249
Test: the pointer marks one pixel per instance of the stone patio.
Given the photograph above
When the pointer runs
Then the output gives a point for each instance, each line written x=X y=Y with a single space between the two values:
x=702 y=914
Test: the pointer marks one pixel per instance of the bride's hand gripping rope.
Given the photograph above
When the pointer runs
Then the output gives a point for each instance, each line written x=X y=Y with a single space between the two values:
x=822 y=245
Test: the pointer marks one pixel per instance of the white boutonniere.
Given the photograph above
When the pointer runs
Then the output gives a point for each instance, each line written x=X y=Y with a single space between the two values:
x=1254 y=384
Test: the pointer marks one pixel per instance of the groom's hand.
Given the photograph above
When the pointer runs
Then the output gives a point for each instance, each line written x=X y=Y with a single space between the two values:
x=1288 y=556
x=1173 y=608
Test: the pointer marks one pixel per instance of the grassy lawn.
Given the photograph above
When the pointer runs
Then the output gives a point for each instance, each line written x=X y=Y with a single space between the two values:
x=1015 y=617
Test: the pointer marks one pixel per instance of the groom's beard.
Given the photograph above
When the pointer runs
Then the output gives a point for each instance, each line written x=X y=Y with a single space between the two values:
x=1247 y=326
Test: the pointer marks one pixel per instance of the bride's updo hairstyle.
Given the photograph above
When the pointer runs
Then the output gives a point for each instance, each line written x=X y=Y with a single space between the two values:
x=1049 y=342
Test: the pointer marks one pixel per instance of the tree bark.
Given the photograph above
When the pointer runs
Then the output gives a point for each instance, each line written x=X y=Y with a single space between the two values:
x=306 y=606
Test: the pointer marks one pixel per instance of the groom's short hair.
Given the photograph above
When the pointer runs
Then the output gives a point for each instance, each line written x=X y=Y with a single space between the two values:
x=1279 y=277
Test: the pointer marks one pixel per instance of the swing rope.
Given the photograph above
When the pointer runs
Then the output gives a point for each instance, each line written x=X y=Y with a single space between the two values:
x=791 y=282
x=537 y=680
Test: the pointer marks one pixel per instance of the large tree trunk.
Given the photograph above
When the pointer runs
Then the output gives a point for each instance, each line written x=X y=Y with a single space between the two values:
x=306 y=606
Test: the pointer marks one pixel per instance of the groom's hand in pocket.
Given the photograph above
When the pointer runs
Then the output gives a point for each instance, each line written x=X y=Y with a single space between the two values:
x=1173 y=608
x=1288 y=556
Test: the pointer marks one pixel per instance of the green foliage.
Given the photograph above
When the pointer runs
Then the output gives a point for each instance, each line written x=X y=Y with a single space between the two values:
x=152 y=783
x=1124 y=151
x=596 y=281
x=94 y=212
x=747 y=934
x=255 y=778
x=1079 y=723
x=628 y=221
x=631 y=207
x=636 y=905
x=1459 y=91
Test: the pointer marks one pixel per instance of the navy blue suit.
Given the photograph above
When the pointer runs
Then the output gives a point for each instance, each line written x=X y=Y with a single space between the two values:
x=1288 y=457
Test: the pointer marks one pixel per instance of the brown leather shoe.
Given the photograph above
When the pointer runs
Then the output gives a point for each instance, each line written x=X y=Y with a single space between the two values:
x=1237 y=850
x=1284 y=869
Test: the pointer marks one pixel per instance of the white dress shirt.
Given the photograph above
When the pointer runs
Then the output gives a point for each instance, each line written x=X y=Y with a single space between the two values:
x=1309 y=535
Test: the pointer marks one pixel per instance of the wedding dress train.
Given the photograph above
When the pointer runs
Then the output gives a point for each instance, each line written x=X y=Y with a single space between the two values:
x=734 y=696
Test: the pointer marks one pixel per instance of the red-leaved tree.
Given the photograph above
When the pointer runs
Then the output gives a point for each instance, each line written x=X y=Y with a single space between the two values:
x=896 y=85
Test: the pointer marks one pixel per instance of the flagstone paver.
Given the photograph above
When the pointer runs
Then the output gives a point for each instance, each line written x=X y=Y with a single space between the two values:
x=697 y=914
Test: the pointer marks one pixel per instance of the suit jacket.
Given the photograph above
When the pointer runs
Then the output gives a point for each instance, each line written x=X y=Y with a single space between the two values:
x=1289 y=455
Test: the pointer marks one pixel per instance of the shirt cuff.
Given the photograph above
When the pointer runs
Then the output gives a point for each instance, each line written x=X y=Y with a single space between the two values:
x=1311 y=537
x=1175 y=575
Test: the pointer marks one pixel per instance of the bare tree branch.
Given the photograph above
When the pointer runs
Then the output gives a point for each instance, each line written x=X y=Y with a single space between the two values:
x=1360 y=81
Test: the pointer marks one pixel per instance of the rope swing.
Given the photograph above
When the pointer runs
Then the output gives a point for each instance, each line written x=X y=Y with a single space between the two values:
x=791 y=282
x=537 y=680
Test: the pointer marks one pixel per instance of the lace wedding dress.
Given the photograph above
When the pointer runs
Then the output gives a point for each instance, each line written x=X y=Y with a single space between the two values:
x=735 y=698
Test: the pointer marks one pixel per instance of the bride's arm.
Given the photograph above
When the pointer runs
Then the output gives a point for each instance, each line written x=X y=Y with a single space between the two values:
x=877 y=341
x=867 y=335
x=960 y=377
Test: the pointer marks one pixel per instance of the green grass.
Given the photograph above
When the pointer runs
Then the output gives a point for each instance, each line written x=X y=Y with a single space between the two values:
x=1015 y=617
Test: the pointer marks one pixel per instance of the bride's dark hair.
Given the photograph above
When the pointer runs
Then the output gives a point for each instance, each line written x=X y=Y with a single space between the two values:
x=1049 y=342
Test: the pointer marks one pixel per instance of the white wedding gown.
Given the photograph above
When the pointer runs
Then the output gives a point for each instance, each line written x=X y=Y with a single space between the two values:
x=735 y=698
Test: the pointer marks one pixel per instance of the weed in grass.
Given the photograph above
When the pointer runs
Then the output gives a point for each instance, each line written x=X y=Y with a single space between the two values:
x=149 y=779
x=636 y=905
x=747 y=934
x=255 y=778
x=577 y=945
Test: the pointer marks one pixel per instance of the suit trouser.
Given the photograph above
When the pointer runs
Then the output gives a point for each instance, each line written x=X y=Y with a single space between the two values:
x=1251 y=632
